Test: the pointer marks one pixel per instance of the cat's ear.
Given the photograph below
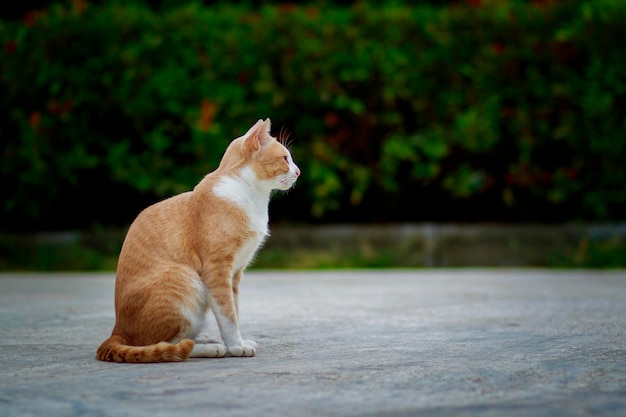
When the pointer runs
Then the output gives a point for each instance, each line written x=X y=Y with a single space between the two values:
x=268 y=125
x=258 y=135
x=254 y=127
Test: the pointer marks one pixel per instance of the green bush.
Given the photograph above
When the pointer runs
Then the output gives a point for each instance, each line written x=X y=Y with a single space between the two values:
x=483 y=110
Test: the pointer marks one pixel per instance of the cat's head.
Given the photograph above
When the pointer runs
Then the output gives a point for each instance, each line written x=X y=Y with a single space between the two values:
x=263 y=155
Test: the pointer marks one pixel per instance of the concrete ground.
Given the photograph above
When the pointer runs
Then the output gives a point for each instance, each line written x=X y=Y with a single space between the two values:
x=360 y=343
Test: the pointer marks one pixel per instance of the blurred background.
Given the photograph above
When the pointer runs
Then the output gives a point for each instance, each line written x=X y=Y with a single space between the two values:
x=411 y=122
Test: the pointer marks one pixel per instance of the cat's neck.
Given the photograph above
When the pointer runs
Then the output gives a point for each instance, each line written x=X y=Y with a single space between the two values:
x=243 y=189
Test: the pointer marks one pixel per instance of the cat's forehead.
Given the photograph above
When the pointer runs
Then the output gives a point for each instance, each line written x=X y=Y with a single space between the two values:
x=275 y=147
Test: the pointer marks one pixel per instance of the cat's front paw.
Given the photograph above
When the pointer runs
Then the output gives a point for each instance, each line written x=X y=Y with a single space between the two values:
x=251 y=343
x=208 y=350
x=247 y=348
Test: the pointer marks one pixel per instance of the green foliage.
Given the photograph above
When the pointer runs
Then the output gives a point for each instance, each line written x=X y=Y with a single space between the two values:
x=510 y=108
x=94 y=253
x=593 y=253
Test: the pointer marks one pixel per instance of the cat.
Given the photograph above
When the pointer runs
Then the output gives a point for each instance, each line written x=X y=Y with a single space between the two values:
x=184 y=256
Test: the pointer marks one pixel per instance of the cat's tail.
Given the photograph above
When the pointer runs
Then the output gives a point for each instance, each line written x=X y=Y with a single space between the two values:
x=114 y=349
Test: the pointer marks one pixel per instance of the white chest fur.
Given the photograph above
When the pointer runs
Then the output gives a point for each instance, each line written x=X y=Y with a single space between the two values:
x=243 y=191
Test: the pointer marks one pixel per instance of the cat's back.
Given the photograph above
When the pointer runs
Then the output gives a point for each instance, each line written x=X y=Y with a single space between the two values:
x=164 y=216
x=161 y=231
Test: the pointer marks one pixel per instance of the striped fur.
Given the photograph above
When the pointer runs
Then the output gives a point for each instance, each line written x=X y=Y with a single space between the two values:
x=185 y=256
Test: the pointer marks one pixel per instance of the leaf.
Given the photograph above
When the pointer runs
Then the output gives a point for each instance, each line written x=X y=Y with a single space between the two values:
x=464 y=181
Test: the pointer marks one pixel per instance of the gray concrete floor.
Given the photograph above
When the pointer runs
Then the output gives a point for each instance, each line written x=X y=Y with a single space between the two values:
x=359 y=343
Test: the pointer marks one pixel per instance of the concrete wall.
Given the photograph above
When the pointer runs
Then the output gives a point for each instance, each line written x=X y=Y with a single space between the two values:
x=448 y=244
x=409 y=245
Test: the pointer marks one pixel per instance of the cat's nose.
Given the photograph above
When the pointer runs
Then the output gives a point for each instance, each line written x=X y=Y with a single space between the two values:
x=297 y=172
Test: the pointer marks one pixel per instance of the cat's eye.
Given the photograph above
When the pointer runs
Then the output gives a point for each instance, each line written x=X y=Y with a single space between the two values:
x=286 y=158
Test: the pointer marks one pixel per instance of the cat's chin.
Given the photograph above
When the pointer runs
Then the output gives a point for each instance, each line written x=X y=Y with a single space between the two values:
x=286 y=184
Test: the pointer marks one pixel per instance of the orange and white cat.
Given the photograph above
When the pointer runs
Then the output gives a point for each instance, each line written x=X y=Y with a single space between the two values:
x=185 y=256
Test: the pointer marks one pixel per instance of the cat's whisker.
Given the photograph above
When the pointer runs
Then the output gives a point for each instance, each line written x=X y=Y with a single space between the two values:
x=283 y=137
